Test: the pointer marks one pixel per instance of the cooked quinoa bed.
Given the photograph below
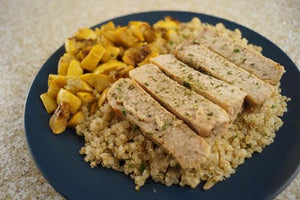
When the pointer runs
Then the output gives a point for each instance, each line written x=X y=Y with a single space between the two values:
x=111 y=141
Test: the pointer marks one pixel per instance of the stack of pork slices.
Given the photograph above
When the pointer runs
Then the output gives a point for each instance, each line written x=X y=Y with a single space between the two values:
x=184 y=100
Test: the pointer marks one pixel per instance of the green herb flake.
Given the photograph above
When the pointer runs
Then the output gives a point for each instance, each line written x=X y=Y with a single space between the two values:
x=164 y=126
x=142 y=168
x=171 y=43
x=147 y=84
x=187 y=114
x=229 y=73
x=136 y=127
x=130 y=166
x=186 y=84
x=236 y=50
x=149 y=133
x=190 y=76
x=124 y=112
x=130 y=87
x=210 y=114
x=252 y=64
x=191 y=55
x=244 y=60
x=273 y=106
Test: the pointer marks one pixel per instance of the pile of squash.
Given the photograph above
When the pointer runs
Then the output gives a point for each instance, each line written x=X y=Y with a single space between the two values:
x=93 y=60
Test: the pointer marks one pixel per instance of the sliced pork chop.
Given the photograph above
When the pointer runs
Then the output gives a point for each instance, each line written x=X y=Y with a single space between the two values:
x=129 y=100
x=201 y=58
x=227 y=96
x=203 y=116
x=255 y=63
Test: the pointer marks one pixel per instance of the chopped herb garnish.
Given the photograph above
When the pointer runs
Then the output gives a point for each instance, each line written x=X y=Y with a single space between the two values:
x=186 y=84
x=164 y=126
x=171 y=43
x=236 y=50
x=273 y=106
x=187 y=114
x=147 y=84
x=190 y=76
x=130 y=87
x=191 y=55
x=229 y=73
x=244 y=60
x=135 y=127
x=124 y=112
x=252 y=64
x=210 y=114
x=142 y=167
x=149 y=133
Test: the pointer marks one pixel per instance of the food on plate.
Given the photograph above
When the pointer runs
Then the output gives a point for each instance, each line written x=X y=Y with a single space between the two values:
x=203 y=116
x=128 y=99
x=227 y=96
x=262 y=67
x=201 y=58
x=142 y=119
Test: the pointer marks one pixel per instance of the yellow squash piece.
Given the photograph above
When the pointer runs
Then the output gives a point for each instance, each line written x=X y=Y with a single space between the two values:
x=167 y=23
x=98 y=81
x=111 y=65
x=93 y=108
x=58 y=79
x=49 y=102
x=53 y=89
x=92 y=59
x=75 y=84
x=171 y=34
x=108 y=26
x=76 y=119
x=124 y=36
x=124 y=72
x=74 y=68
x=86 y=97
x=86 y=34
x=147 y=59
x=111 y=53
x=67 y=97
x=102 y=97
x=59 y=119
x=72 y=45
x=63 y=63
x=108 y=31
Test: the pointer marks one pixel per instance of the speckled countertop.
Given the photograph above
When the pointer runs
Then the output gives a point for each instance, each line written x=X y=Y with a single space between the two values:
x=32 y=30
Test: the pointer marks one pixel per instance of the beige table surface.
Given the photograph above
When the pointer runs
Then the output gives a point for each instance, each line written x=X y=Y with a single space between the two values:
x=30 y=31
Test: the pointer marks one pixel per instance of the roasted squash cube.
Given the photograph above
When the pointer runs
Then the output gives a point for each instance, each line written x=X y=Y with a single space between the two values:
x=86 y=34
x=111 y=53
x=59 y=119
x=92 y=59
x=98 y=81
x=67 y=97
x=111 y=65
x=102 y=97
x=86 y=97
x=74 y=68
x=76 y=119
x=75 y=84
x=49 y=102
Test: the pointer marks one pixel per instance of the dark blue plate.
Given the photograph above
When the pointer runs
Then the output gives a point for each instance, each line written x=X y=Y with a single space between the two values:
x=262 y=177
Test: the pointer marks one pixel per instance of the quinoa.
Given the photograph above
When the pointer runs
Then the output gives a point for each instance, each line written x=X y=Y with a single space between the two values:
x=112 y=142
